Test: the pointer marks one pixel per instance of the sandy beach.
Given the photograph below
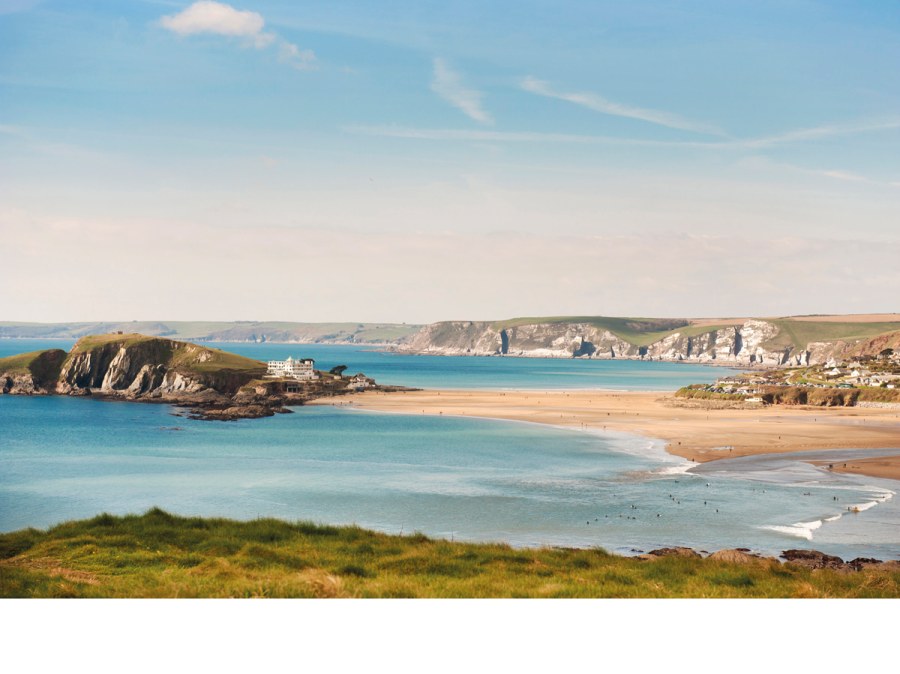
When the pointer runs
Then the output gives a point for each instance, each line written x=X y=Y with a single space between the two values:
x=695 y=430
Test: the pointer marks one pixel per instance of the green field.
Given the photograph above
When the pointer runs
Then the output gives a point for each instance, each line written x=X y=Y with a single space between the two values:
x=637 y=331
x=161 y=555
x=646 y=331
x=44 y=366
x=20 y=363
x=800 y=333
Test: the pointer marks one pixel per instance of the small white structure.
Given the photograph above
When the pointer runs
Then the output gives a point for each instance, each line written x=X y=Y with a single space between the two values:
x=295 y=369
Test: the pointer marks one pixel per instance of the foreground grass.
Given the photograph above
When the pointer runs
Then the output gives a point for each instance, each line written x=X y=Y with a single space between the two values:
x=161 y=555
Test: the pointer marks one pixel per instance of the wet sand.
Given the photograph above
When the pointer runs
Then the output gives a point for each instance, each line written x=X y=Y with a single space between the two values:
x=695 y=430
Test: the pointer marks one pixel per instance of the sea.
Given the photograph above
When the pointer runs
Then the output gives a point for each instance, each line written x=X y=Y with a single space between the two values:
x=455 y=478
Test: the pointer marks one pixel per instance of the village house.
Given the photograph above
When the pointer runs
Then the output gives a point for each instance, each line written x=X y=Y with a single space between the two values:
x=359 y=382
x=301 y=369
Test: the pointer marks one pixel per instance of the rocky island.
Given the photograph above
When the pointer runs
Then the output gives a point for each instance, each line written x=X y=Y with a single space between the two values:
x=210 y=383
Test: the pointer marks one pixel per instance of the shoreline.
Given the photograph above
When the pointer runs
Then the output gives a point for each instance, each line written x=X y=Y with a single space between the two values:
x=694 y=430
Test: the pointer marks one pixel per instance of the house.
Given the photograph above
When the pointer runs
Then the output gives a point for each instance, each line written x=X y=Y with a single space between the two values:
x=295 y=369
x=358 y=382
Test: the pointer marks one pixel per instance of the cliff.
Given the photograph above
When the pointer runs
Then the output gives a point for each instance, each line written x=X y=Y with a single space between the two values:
x=214 y=383
x=741 y=342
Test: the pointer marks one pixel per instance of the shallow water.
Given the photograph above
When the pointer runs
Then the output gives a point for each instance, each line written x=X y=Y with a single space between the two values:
x=465 y=479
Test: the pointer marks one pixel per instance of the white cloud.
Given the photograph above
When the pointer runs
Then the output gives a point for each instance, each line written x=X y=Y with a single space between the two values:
x=301 y=59
x=844 y=175
x=600 y=104
x=216 y=18
x=220 y=19
x=448 y=84
x=824 y=131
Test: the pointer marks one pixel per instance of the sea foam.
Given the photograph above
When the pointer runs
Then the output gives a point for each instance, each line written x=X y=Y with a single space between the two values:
x=798 y=529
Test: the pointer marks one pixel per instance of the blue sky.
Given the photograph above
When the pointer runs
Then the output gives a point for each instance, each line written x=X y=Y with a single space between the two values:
x=415 y=161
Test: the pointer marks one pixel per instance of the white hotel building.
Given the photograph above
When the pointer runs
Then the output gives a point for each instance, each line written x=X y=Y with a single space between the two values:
x=295 y=369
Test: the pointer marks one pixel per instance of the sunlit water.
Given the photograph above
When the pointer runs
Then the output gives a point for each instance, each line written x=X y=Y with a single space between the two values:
x=464 y=479
x=462 y=372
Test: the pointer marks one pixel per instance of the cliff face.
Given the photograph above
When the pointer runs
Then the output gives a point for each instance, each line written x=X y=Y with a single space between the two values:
x=749 y=342
x=152 y=368
x=32 y=373
x=213 y=384
x=129 y=366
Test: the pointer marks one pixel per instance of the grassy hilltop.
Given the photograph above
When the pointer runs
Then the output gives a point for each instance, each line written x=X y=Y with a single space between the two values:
x=212 y=365
x=161 y=555
x=796 y=331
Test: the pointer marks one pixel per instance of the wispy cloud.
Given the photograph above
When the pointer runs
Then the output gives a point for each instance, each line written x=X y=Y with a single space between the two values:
x=607 y=107
x=824 y=131
x=844 y=175
x=448 y=84
x=544 y=137
x=216 y=18
x=510 y=136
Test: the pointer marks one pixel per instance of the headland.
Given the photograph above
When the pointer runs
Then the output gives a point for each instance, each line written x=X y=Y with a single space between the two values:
x=208 y=383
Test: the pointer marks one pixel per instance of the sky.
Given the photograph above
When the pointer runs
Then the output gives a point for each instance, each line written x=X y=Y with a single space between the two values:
x=422 y=161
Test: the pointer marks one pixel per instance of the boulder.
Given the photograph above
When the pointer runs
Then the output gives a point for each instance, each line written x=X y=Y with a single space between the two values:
x=738 y=557
x=812 y=559
x=674 y=552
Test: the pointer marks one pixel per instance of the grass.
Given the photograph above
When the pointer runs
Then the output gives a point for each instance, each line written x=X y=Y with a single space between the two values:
x=179 y=355
x=217 y=360
x=646 y=331
x=800 y=333
x=91 y=342
x=20 y=363
x=44 y=366
x=161 y=555
x=702 y=394
x=636 y=331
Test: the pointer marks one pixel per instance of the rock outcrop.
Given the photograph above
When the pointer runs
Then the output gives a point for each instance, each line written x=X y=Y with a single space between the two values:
x=212 y=384
x=748 y=343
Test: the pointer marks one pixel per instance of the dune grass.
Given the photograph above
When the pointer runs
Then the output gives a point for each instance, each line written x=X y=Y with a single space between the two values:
x=161 y=555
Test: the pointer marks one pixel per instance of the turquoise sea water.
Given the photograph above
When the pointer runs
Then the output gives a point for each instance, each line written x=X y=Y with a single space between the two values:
x=462 y=372
x=466 y=479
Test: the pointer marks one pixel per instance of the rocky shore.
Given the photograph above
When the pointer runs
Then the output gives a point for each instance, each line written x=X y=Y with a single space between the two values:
x=809 y=559
x=744 y=343
x=205 y=383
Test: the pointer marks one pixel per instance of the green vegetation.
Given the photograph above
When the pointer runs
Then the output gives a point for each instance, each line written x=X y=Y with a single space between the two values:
x=800 y=333
x=182 y=356
x=190 y=358
x=91 y=342
x=44 y=366
x=876 y=394
x=19 y=364
x=161 y=555
x=699 y=392
x=637 y=331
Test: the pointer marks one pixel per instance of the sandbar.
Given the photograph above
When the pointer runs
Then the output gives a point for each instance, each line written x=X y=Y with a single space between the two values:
x=696 y=430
